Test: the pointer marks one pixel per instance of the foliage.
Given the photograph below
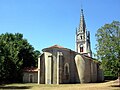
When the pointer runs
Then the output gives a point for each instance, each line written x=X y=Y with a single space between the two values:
x=15 y=54
x=108 y=47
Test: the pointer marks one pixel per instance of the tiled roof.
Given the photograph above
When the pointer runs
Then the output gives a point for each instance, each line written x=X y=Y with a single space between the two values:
x=32 y=69
x=56 y=46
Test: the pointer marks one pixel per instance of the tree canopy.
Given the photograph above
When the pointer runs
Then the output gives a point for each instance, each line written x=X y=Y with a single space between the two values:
x=108 y=47
x=15 y=54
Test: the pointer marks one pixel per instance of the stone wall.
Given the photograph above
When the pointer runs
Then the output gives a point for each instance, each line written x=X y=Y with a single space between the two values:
x=30 y=77
x=94 y=75
x=73 y=69
x=87 y=78
x=42 y=69
x=100 y=75
x=66 y=66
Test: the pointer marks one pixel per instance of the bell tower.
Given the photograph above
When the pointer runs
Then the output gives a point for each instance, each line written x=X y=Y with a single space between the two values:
x=83 y=38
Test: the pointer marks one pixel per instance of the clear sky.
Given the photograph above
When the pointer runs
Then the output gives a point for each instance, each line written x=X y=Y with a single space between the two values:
x=47 y=22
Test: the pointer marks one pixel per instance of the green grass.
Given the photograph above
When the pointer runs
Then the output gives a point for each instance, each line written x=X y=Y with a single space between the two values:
x=89 y=86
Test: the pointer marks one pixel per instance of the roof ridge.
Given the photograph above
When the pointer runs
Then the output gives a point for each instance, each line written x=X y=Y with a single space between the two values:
x=56 y=46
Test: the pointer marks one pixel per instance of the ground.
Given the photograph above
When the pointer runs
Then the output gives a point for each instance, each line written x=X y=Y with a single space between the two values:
x=111 y=85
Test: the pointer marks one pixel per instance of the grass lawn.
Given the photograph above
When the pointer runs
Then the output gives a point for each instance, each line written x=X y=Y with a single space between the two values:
x=112 y=85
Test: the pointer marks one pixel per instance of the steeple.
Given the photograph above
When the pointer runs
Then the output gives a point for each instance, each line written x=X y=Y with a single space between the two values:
x=89 y=44
x=83 y=38
x=82 y=25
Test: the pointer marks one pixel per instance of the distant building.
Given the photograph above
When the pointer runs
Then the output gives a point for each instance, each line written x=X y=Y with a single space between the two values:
x=30 y=75
x=59 y=65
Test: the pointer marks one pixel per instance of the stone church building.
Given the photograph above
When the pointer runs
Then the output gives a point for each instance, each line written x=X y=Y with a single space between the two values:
x=59 y=65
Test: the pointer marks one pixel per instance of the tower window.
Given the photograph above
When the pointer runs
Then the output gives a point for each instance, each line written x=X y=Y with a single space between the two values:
x=81 y=48
x=81 y=37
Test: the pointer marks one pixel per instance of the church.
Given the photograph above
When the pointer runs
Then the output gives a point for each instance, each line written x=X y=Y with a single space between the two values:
x=60 y=65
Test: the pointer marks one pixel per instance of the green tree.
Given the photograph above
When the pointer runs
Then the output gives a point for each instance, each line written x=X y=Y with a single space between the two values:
x=108 y=47
x=15 y=54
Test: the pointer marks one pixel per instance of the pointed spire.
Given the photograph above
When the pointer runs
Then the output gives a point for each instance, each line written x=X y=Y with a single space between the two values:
x=76 y=30
x=82 y=13
x=82 y=25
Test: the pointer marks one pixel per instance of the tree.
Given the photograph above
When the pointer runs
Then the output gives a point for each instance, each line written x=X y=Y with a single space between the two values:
x=15 y=54
x=108 y=47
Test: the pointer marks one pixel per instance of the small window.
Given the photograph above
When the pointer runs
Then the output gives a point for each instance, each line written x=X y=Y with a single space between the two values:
x=81 y=49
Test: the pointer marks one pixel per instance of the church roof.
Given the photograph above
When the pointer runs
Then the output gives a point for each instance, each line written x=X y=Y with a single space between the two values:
x=84 y=55
x=55 y=47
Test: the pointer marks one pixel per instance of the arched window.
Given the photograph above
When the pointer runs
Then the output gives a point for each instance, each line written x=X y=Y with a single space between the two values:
x=81 y=37
x=81 y=48
x=66 y=71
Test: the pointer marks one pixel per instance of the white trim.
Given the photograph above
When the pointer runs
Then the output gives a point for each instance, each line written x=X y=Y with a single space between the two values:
x=39 y=70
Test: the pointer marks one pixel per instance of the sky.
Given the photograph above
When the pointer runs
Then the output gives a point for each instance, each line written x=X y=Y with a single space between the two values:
x=48 y=22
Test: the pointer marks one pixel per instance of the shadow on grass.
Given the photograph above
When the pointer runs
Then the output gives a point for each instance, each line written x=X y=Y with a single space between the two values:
x=115 y=85
x=14 y=87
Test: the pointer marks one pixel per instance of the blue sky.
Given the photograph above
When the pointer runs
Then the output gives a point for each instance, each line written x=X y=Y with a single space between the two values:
x=47 y=22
